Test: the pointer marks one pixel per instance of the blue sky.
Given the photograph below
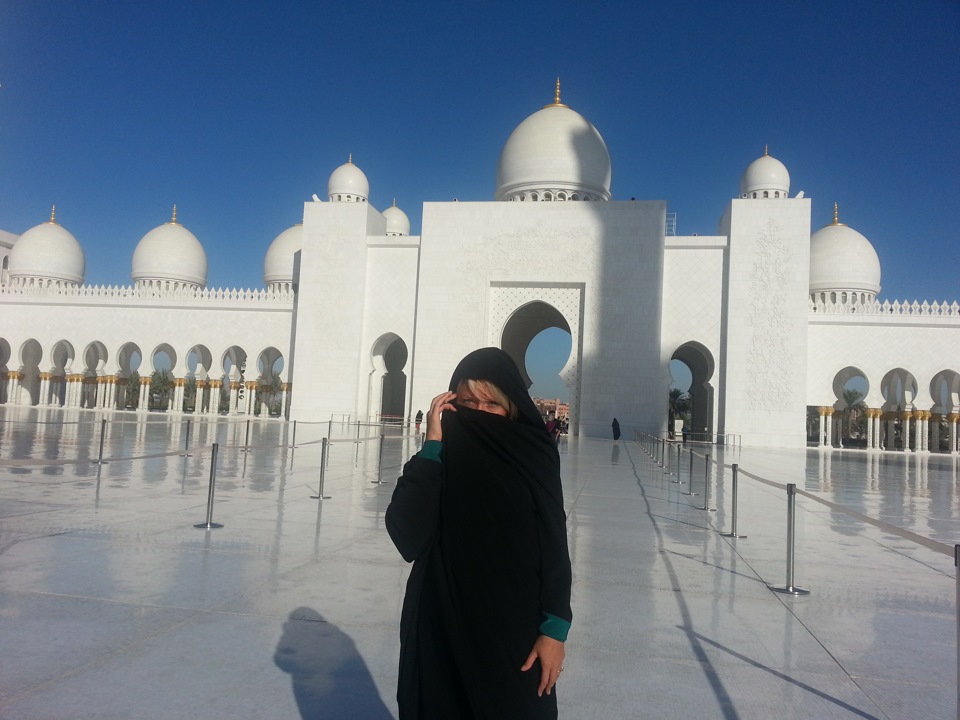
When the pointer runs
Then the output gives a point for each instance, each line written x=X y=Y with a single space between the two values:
x=238 y=112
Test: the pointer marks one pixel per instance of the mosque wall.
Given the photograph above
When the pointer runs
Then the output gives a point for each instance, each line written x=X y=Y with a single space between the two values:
x=762 y=393
x=390 y=302
x=876 y=346
x=613 y=250
x=330 y=307
x=148 y=323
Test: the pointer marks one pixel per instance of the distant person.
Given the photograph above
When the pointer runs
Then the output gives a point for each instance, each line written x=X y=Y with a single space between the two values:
x=479 y=512
x=685 y=432
x=553 y=428
x=616 y=429
x=418 y=419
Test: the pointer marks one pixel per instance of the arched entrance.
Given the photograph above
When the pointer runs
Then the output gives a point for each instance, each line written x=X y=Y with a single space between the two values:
x=388 y=382
x=526 y=323
x=700 y=396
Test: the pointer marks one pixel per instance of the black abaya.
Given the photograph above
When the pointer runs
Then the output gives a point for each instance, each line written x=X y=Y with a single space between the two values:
x=486 y=531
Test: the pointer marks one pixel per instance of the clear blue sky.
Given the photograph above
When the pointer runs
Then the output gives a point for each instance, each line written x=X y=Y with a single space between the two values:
x=238 y=112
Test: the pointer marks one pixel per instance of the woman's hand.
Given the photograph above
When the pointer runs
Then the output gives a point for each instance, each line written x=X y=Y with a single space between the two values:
x=551 y=655
x=441 y=402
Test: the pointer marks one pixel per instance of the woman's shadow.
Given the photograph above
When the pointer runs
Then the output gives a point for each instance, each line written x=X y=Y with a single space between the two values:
x=330 y=679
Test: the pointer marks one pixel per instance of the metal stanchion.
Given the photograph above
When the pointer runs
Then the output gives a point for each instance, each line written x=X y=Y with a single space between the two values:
x=788 y=587
x=666 y=458
x=379 y=480
x=706 y=485
x=103 y=435
x=956 y=565
x=678 y=480
x=293 y=441
x=209 y=524
x=186 y=442
x=246 y=439
x=323 y=470
x=690 y=477
x=733 y=526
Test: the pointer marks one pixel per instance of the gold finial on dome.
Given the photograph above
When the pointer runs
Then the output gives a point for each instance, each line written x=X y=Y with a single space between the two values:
x=836 y=215
x=350 y=159
x=556 y=96
x=53 y=215
x=173 y=220
x=766 y=150
x=394 y=202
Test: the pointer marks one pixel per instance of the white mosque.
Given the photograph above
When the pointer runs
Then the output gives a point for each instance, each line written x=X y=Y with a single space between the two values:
x=359 y=318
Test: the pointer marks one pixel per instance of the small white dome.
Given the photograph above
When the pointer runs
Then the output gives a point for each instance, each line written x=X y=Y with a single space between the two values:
x=348 y=184
x=48 y=253
x=555 y=151
x=841 y=259
x=397 y=221
x=765 y=174
x=278 y=263
x=170 y=254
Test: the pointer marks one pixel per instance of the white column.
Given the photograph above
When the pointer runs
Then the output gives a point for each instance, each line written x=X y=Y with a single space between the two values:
x=215 y=389
x=251 y=396
x=821 y=436
x=907 y=419
x=144 y=394
x=829 y=432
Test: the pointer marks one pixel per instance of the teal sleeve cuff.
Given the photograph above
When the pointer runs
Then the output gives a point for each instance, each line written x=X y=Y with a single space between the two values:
x=554 y=627
x=431 y=450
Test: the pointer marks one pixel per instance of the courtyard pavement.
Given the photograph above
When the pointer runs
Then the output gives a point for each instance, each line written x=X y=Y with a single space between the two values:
x=114 y=606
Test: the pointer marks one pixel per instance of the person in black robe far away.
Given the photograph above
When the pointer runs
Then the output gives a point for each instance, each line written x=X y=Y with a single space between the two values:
x=616 y=429
x=479 y=512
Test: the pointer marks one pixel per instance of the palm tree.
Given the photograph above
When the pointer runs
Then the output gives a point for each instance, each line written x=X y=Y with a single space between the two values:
x=853 y=412
x=160 y=385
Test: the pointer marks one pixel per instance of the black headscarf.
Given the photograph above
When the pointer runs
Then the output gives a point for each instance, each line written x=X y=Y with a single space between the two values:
x=497 y=562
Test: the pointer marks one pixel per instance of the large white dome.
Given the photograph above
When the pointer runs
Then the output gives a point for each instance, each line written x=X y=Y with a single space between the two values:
x=555 y=154
x=348 y=184
x=47 y=253
x=170 y=254
x=765 y=177
x=843 y=260
x=397 y=221
x=278 y=263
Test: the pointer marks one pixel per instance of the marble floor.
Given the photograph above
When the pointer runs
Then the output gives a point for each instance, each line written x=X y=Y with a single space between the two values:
x=113 y=605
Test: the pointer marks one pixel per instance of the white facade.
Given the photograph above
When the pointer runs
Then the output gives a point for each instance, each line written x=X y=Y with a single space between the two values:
x=360 y=319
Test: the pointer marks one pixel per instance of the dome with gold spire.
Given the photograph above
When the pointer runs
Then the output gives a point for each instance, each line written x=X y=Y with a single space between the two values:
x=555 y=154
x=169 y=257
x=348 y=183
x=843 y=264
x=765 y=177
x=46 y=254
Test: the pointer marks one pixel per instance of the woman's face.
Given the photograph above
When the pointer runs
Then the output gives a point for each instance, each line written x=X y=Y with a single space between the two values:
x=479 y=400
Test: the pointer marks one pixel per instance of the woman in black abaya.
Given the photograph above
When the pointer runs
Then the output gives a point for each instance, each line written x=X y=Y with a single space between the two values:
x=479 y=512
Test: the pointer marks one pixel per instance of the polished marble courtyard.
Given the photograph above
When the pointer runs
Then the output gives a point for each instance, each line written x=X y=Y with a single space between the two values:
x=114 y=606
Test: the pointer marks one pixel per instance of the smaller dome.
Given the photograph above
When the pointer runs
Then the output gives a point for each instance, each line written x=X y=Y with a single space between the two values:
x=348 y=184
x=48 y=253
x=278 y=263
x=397 y=221
x=170 y=254
x=843 y=260
x=765 y=175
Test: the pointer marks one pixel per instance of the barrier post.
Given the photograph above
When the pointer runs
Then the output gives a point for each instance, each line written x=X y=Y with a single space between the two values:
x=209 y=524
x=103 y=434
x=956 y=565
x=678 y=480
x=706 y=485
x=733 y=523
x=690 y=491
x=788 y=587
x=293 y=440
x=380 y=480
x=323 y=470
x=186 y=442
x=246 y=438
x=666 y=458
